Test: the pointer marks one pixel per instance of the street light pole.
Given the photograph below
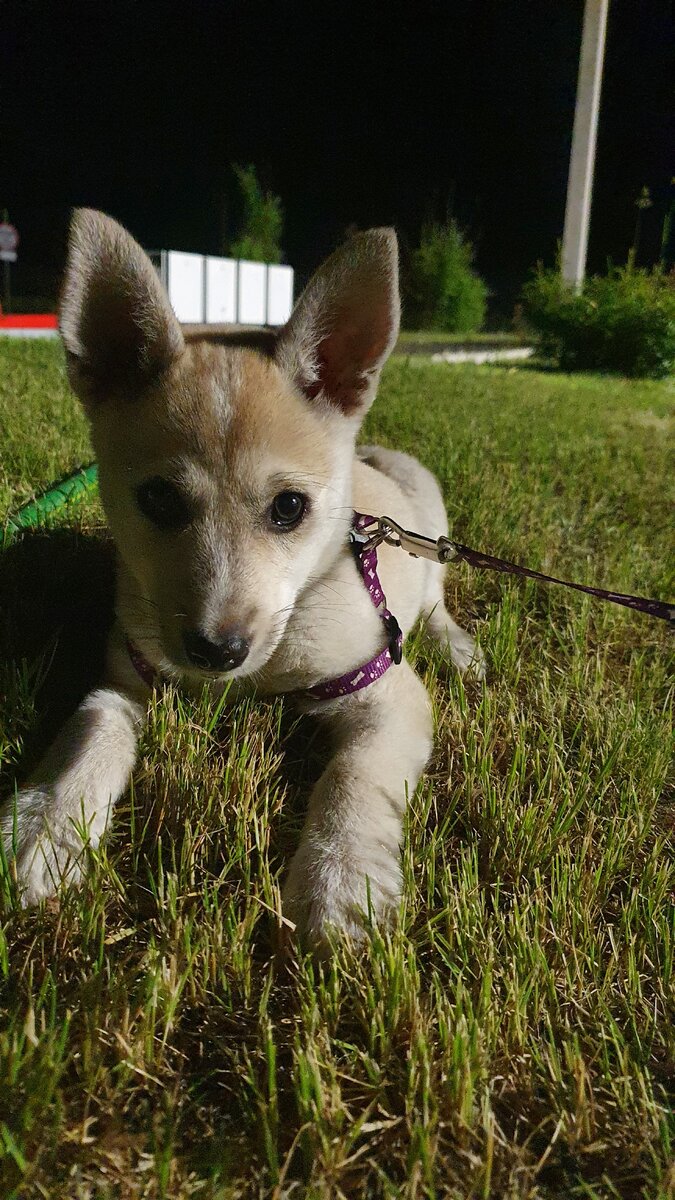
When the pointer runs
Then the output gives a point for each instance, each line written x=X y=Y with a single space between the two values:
x=582 y=158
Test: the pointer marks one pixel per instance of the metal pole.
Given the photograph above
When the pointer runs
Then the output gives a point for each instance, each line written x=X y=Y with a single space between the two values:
x=6 y=303
x=582 y=158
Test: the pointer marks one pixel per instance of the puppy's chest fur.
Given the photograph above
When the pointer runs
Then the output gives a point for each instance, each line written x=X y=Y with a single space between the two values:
x=333 y=628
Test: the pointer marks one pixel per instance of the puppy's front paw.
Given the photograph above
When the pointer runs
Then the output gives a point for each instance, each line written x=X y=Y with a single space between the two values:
x=466 y=654
x=331 y=890
x=41 y=861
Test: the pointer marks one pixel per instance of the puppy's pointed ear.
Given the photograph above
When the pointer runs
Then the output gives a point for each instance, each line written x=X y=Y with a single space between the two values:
x=117 y=325
x=345 y=324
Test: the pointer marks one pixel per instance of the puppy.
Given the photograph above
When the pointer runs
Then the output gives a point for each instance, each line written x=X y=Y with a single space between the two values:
x=230 y=479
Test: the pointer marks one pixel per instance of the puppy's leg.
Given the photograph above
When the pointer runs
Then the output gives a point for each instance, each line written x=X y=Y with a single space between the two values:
x=349 y=854
x=464 y=651
x=72 y=793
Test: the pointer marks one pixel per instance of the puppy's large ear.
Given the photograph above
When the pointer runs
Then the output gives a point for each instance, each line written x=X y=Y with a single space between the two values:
x=345 y=324
x=117 y=325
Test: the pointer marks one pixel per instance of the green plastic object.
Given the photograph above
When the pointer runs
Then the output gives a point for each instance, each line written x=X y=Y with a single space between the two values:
x=34 y=513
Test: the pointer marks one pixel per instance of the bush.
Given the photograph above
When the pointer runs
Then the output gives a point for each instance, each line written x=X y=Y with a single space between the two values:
x=623 y=321
x=444 y=292
x=262 y=223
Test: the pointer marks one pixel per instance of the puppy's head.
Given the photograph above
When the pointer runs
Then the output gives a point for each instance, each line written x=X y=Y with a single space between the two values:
x=225 y=473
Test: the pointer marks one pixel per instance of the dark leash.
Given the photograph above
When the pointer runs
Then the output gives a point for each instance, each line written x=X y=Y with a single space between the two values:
x=443 y=550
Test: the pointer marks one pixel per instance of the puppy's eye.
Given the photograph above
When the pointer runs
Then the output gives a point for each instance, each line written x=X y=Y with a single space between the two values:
x=288 y=509
x=160 y=501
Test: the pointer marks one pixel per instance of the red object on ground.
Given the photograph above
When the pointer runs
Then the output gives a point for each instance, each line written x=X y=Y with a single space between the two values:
x=29 y=321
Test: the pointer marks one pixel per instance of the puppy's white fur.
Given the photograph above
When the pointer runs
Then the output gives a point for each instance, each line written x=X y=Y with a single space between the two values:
x=231 y=428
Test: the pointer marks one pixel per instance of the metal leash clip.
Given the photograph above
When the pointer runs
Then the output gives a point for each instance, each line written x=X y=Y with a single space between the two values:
x=442 y=550
x=368 y=538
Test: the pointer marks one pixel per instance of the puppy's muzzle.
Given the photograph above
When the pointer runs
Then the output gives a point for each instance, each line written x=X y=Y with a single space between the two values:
x=228 y=652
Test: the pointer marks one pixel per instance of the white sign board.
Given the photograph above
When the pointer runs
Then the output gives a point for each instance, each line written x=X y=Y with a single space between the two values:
x=185 y=285
x=252 y=293
x=279 y=294
x=7 y=256
x=221 y=291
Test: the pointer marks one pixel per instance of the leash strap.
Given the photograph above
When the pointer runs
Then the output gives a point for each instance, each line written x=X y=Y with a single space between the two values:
x=654 y=608
x=444 y=550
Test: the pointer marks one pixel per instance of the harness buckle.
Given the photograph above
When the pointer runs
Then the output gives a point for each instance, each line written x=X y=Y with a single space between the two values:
x=361 y=541
x=395 y=643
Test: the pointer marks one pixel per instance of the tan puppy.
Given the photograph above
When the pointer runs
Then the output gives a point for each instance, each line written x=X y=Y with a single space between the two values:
x=229 y=480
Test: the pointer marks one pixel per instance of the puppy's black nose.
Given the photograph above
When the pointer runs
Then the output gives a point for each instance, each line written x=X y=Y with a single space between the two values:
x=223 y=655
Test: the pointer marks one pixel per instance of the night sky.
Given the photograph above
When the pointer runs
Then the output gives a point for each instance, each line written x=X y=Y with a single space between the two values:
x=363 y=114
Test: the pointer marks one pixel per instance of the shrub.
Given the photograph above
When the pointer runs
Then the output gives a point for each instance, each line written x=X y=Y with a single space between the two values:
x=262 y=220
x=623 y=321
x=444 y=292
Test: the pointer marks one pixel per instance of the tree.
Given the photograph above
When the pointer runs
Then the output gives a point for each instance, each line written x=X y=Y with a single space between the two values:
x=444 y=291
x=262 y=220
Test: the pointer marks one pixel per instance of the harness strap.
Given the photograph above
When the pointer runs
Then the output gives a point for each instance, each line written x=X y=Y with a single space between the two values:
x=141 y=665
x=353 y=681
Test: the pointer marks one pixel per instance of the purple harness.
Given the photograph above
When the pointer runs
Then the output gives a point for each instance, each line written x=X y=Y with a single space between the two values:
x=370 y=672
x=361 y=677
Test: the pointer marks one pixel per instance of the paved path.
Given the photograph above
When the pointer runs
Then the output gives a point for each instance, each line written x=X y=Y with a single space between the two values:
x=514 y=354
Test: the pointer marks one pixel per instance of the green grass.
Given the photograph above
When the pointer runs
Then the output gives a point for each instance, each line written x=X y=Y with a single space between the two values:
x=514 y=1037
x=41 y=430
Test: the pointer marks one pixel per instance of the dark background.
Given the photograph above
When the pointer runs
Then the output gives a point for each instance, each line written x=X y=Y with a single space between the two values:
x=353 y=113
